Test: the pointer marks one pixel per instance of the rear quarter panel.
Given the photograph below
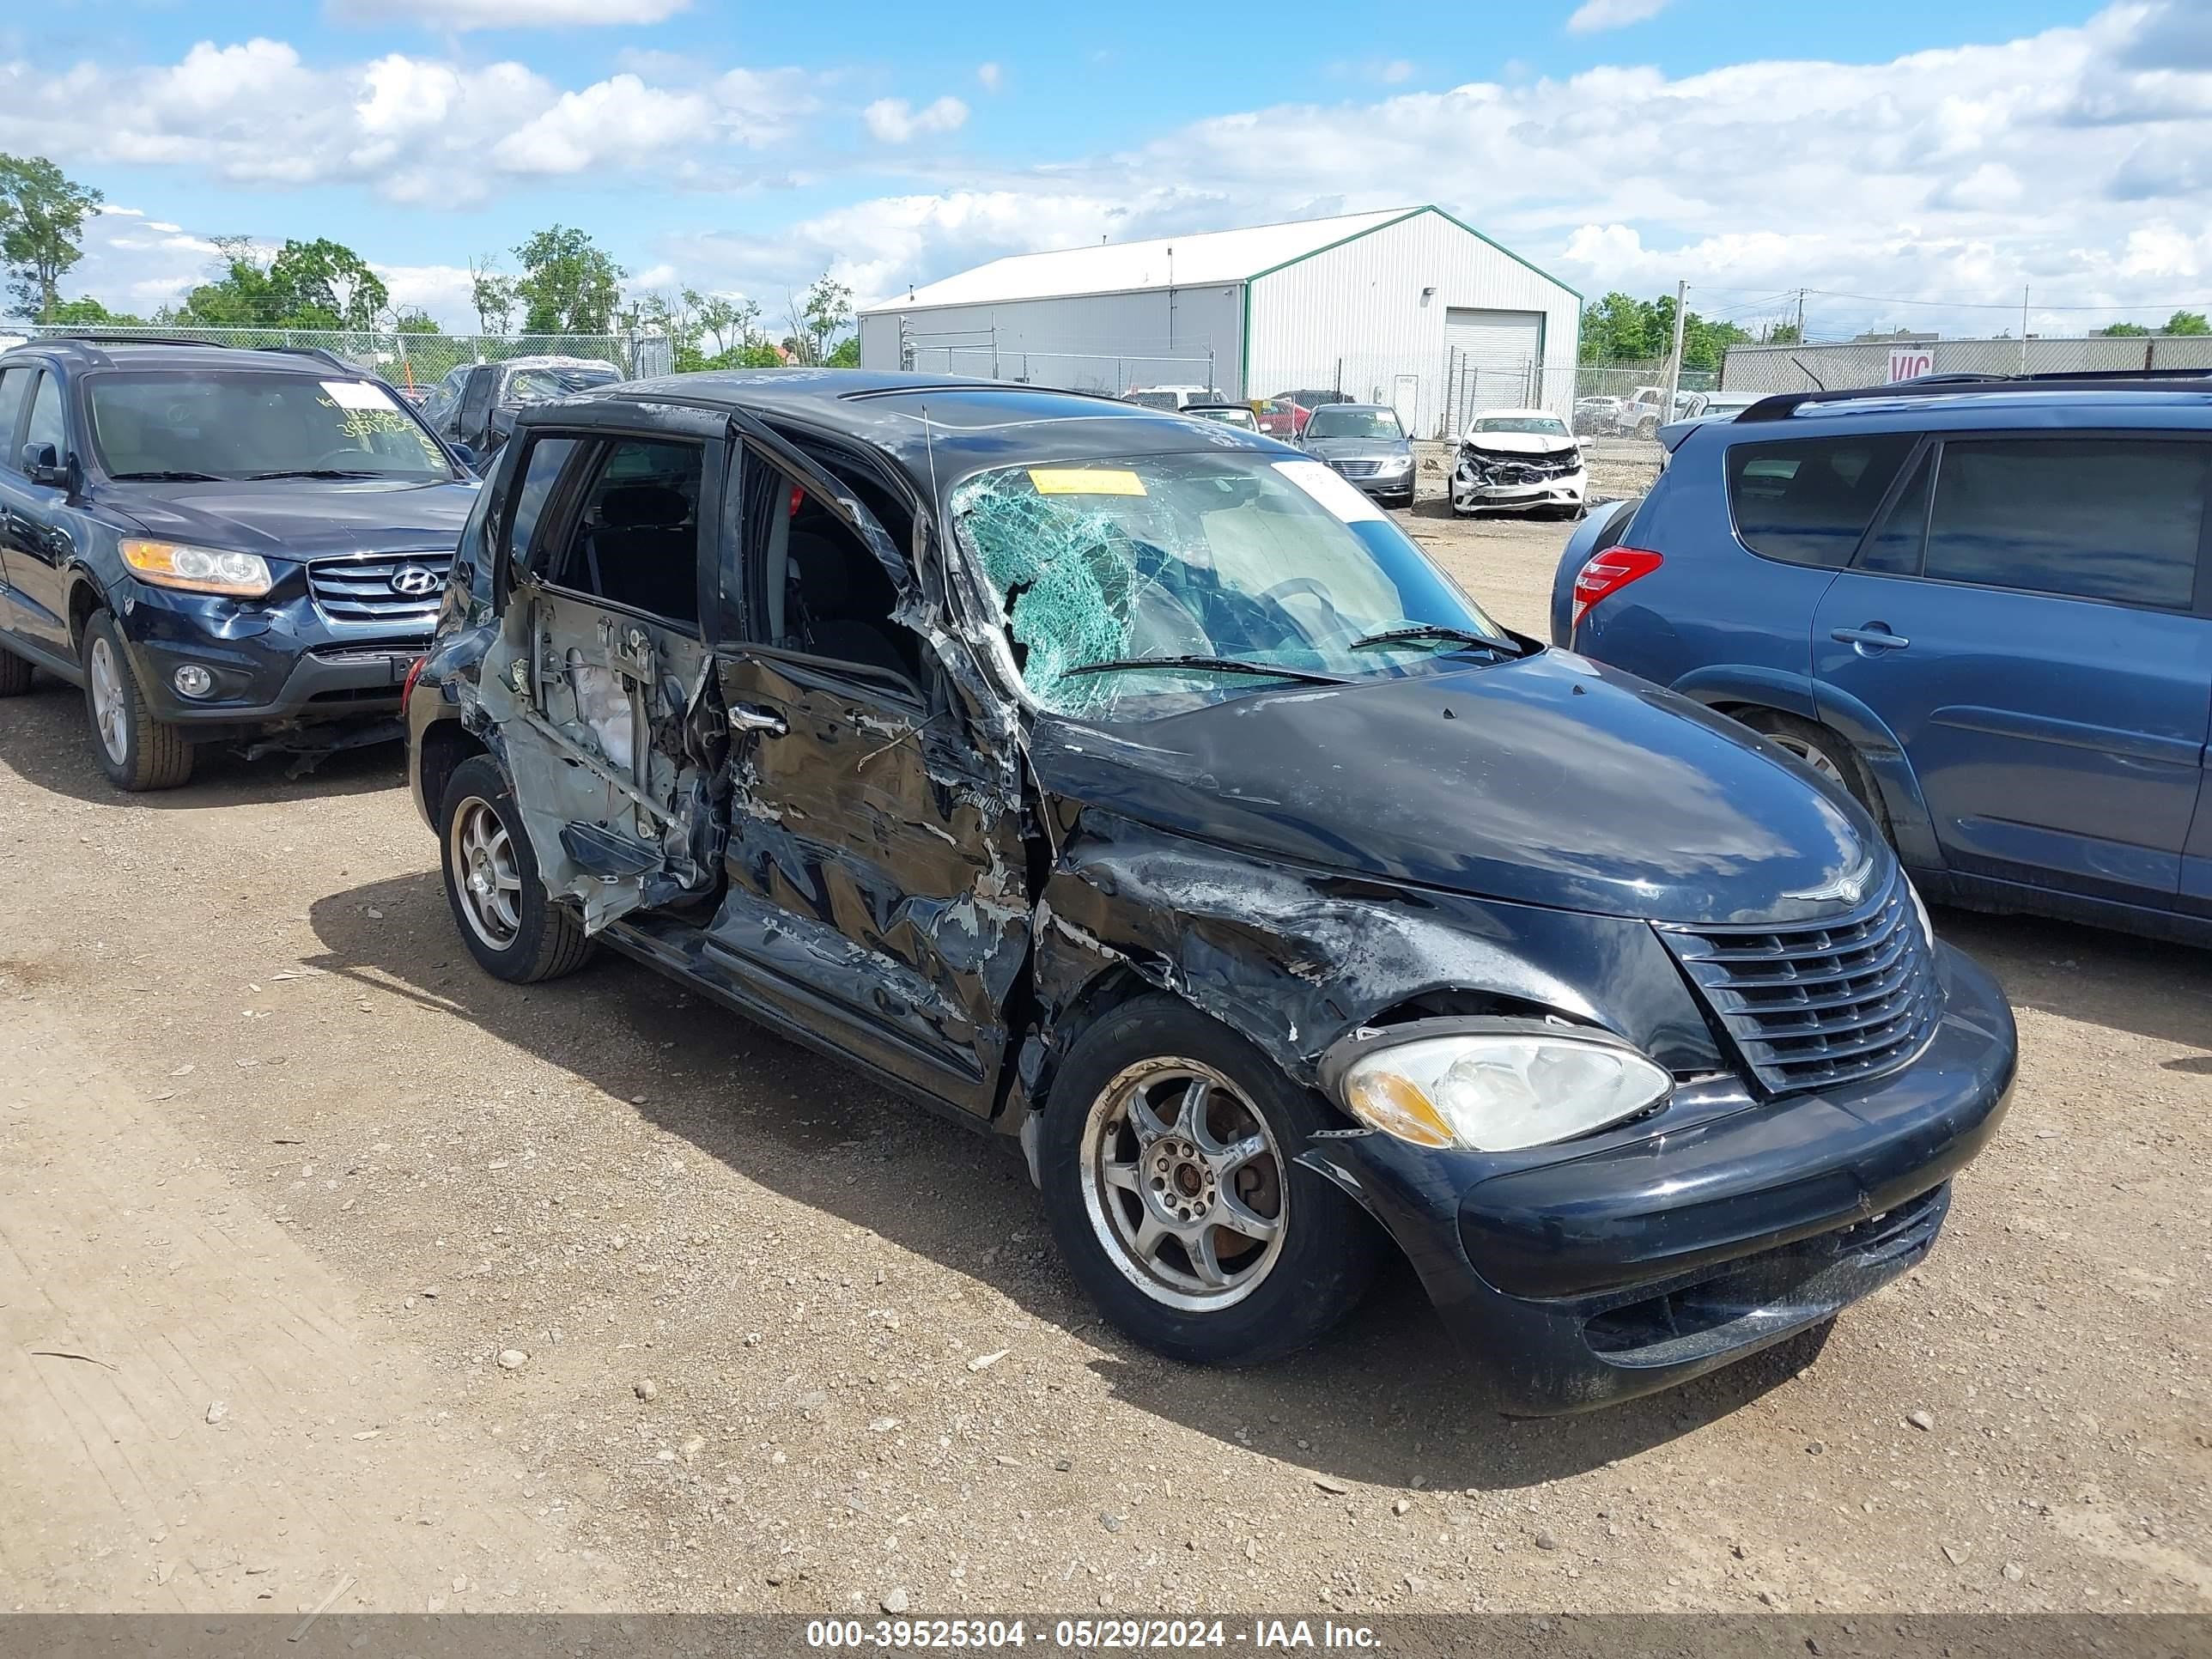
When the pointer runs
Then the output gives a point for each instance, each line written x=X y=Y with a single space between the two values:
x=1715 y=621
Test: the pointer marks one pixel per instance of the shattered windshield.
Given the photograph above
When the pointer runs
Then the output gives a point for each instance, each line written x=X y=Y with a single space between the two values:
x=543 y=386
x=1188 y=572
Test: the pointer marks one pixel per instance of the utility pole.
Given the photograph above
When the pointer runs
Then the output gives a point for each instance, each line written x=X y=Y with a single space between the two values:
x=2023 y=328
x=1675 y=358
x=1801 y=316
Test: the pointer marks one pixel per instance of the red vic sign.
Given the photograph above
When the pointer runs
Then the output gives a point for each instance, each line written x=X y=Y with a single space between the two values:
x=1907 y=361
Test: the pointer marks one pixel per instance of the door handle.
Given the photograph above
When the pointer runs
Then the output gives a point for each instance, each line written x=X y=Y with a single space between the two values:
x=1871 y=639
x=766 y=721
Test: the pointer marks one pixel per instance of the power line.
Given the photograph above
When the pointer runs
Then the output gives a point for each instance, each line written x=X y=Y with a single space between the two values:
x=2004 y=304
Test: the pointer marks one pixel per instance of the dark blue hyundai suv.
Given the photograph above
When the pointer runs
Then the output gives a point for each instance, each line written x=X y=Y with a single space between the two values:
x=1983 y=607
x=217 y=545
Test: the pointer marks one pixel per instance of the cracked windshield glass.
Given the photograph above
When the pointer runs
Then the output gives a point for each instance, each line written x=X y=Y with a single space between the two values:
x=1143 y=586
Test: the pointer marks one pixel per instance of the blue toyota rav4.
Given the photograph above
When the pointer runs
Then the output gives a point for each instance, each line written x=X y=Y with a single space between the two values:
x=218 y=546
x=1134 y=786
x=1983 y=607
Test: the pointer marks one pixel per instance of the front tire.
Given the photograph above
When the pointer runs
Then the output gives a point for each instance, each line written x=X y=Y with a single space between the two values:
x=1827 y=753
x=1167 y=1158
x=136 y=750
x=14 y=674
x=510 y=924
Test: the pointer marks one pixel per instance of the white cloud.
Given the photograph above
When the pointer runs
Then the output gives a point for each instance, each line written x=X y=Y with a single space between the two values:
x=1593 y=15
x=621 y=120
x=895 y=121
x=506 y=13
x=992 y=76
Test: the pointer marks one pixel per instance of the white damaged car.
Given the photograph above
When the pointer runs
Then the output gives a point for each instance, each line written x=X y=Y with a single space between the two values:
x=1518 y=460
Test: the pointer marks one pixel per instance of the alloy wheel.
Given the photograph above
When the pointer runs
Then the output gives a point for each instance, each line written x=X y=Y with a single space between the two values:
x=1184 y=1184
x=1813 y=755
x=484 y=873
x=110 y=705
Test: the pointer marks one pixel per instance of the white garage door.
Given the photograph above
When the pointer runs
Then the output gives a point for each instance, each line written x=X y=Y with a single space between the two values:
x=1495 y=358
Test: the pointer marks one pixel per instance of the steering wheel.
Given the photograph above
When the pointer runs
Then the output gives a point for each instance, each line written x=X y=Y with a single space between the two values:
x=1292 y=587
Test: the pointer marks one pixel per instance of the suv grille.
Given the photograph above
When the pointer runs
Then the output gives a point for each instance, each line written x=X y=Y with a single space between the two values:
x=361 y=590
x=1813 y=1005
x=1358 y=469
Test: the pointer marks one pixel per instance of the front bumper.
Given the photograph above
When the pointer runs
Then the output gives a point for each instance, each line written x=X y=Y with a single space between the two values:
x=1473 y=494
x=274 y=665
x=1642 y=1258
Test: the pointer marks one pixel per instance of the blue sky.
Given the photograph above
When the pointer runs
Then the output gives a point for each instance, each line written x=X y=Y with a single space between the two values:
x=1898 y=151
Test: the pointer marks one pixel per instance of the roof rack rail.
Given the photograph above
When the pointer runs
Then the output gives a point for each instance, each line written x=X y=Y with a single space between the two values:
x=1783 y=404
x=102 y=336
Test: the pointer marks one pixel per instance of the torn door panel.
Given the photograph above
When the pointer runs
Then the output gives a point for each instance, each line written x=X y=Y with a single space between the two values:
x=613 y=740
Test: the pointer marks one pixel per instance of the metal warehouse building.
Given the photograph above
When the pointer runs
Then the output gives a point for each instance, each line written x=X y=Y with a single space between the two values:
x=1408 y=307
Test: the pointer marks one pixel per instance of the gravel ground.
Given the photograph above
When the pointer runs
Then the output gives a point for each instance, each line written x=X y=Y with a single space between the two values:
x=774 y=1341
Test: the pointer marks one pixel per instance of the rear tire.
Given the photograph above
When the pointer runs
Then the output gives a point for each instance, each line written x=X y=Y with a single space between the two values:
x=509 y=922
x=14 y=674
x=1278 y=1253
x=136 y=750
x=1828 y=752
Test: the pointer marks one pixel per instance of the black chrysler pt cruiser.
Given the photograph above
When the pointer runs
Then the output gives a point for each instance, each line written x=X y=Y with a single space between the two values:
x=1133 y=786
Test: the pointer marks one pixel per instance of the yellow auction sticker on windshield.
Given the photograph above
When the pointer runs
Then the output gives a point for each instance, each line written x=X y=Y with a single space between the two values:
x=1086 y=481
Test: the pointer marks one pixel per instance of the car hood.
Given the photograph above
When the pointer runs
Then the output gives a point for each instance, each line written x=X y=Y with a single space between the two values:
x=1357 y=449
x=1518 y=443
x=1550 y=781
x=302 y=518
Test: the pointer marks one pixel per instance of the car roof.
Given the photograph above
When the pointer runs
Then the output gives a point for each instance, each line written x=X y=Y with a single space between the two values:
x=1514 y=414
x=549 y=360
x=934 y=427
x=1334 y=408
x=1978 y=405
x=97 y=352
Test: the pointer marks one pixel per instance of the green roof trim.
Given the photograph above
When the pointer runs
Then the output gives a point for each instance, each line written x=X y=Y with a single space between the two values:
x=1410 y=213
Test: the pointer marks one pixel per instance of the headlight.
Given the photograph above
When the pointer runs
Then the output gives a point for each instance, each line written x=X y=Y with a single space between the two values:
x=1497 y=1085
x=198 y=569
x=1397 y=463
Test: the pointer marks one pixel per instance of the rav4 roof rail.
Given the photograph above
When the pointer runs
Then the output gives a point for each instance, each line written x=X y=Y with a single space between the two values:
x=1783 y=404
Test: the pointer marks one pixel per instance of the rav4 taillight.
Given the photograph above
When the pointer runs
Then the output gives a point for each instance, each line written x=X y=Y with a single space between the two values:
x=1608 y=573
x=414 y=673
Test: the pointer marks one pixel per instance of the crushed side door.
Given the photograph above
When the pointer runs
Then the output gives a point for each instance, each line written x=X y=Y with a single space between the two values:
x=607 y=715
x=876 y=869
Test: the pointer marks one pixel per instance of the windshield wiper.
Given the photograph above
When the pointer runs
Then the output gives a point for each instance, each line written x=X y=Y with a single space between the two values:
x=158 y=476
x=1215 y=665
x=1438 y=631
x=317 y=472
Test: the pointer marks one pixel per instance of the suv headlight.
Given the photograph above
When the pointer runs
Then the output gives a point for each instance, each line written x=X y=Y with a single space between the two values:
x=197 y=570
x=1491 y=1086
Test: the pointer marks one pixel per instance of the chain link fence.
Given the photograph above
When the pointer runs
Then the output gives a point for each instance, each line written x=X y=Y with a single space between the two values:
x=414 y=360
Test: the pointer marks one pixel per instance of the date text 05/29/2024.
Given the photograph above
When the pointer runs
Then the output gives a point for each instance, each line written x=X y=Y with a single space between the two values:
x=1088 y=1635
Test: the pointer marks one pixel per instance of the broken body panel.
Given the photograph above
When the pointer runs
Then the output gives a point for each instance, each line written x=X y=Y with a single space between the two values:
x=943 y=882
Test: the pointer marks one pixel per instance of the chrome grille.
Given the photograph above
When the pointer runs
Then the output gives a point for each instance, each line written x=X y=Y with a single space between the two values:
x=1812 y=1006
x=360 y=591
x=1358 y=469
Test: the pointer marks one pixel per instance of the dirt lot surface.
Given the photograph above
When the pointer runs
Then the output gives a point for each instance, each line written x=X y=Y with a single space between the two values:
x=331 y=1270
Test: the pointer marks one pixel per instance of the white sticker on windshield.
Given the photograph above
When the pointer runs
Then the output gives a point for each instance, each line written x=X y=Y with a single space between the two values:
x=1326 y=485
x=358 y=394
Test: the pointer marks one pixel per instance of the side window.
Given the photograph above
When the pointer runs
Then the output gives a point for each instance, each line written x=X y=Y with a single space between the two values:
x=533 y=488
x=1808 y=501
x=2093 y=519
x=46 y=425
x=824 y=593
x=635 y=542
x=14 y=386
x=1894 y=547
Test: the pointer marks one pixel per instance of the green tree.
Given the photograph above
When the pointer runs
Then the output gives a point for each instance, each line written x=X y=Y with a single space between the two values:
x=1784 y=334
x=569 y=285
x=325 y=279
x=732 y=324
x=89 y=311
x=848 y=354
x=820 y=318
x=2187 y=322
x=492 y=294
x=42 y=215
x=2119 y=331
x=414 y=320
